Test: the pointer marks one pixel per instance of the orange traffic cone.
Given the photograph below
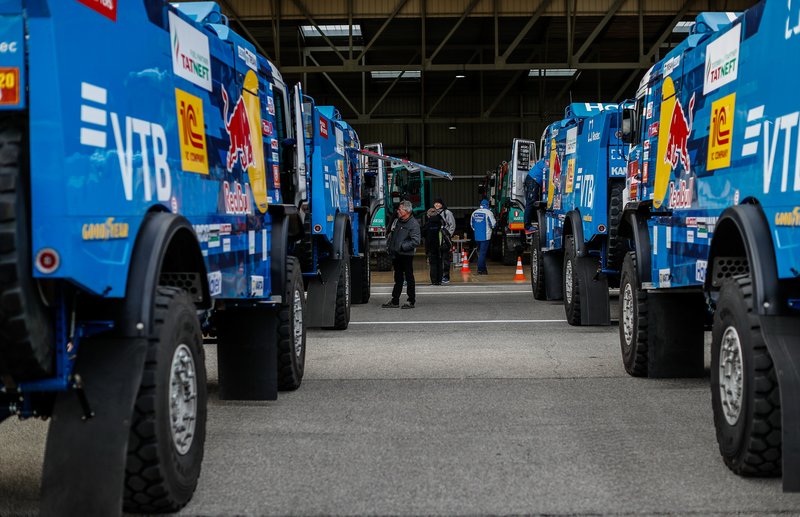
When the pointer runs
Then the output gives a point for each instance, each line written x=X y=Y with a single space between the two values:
x=519 y=276
x=464 y=262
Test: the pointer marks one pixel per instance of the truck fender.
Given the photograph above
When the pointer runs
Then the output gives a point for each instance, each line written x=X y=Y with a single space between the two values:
x=634 y=226
x=161 y=235
x=284 y=219
x=341 y=232
x=573 y=225
x=746 y=225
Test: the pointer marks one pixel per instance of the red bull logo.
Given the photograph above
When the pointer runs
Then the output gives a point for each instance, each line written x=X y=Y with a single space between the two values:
x=238 y=128
x=237 y=200
x=678 y=137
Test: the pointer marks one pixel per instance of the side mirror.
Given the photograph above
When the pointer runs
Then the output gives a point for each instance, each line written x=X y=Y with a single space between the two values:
x=628 y=125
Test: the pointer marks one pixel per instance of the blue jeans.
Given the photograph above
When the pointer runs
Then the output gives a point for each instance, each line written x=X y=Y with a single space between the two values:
x=483 y=249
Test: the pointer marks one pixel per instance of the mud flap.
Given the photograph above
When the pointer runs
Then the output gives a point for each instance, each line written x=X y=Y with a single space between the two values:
x=675 y=338
x=595 y=308
x=321 y=295
x=356 y=278
x=783 y=343
x=553 y=274
x=84 y=466
x=247 y=354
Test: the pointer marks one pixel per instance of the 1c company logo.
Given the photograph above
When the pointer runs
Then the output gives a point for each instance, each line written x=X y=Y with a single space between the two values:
x=194 y=157
x=719 y=145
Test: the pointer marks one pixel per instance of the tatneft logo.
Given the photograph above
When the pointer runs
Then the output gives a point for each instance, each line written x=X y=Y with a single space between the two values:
x=107 y=8
x=722 y=60
x=784 y=127
x=191 y=58
x=151 y=138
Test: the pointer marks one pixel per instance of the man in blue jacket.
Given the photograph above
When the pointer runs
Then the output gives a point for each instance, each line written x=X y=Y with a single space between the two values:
x=482 y=222
x=533 y=191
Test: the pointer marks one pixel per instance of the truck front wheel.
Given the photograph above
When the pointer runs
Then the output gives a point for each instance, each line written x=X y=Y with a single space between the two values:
x=744 y=389
x=342 y=310
x=632 y=319
x=537 y=271
x=572 y=294
x=383 y=262
x=291 y=330
x=168 y=428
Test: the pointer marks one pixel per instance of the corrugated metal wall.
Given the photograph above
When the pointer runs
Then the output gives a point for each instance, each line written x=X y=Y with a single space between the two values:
x=337 y=9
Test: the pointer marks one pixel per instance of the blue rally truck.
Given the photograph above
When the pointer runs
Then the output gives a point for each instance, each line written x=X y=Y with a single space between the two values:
x=147 y=196
x=577 y=251
x=333 y=250
x=713 y=214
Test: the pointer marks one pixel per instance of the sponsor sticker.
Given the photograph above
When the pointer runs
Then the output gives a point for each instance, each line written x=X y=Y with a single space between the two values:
x=107 y=8
x=213 y=236
x=226 y=245
x=266 y=128
x=104 y=231
x=191 y=129
x=215 y=283
x=274 y=144
x=251 y=242
x=256 y=285
x=9 y=86
x=191 y=58
x=722 y=60
x=690 y=236
x=664 y=278
x=270 y=106
x=570 y=175
x=788 y=218
x=572 y=140
x=700 y=268
x=652 y=131
x=236 y=198
x=323 y=128
x=649 y=109
x=248 y=57
x=681 y=196
x=276 y=176
x=720 y=133
x=671 y=64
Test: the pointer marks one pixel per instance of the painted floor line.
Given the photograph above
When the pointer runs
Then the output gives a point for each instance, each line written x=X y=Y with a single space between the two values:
x=449 y=322
x=460 y=292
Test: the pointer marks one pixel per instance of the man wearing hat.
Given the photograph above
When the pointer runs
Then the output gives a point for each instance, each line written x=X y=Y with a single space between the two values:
x=482 y=223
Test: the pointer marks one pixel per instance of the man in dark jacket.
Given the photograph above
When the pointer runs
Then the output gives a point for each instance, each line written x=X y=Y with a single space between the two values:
x=404 y=237
x=449 y=225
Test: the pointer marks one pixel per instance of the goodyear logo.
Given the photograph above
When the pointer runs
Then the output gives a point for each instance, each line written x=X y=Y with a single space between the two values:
x=788 y=218
x=194 y=156
x=104 y=231
x=720 y=134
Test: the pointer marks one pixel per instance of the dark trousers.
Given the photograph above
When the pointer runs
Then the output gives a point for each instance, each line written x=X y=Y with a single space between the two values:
x=483 y=250
x=404 y=270
x=435 y=260
x=447 y=257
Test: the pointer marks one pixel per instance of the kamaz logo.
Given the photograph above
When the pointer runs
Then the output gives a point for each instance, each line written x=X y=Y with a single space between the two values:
x=151 y=138
x=770 y=132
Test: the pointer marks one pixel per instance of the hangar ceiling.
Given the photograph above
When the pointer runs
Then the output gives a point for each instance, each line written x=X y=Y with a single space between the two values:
x=542 y=51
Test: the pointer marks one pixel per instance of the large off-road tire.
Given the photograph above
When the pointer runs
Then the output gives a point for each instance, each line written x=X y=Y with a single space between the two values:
x=572 y=293
x=509 y=256
x=292 y=330
x=632 y=319
x=537 y=268
x=168 y=428
x=26 y=324
x=383 y=262
x=366 y=277
x=617 y=245
x=744 y=388
x=341 y=317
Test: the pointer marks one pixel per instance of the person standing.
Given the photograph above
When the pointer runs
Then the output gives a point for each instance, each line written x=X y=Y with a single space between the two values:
x=432 y=235
x=449 y=226
x=404 y=237
x=482 y=223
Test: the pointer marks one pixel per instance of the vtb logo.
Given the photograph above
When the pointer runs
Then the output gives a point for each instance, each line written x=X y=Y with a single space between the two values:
x=720 y=133
x=191 y=125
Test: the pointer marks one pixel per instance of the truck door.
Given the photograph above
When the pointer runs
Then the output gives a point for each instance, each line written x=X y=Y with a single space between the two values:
x=301 y=183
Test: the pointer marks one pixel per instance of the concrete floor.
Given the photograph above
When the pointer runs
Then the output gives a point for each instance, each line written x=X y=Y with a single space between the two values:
x=479 y=401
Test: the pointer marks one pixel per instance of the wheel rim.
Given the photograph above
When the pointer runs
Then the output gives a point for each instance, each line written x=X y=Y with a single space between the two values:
x=297 y=337
x=731 y=375
x=182 y=398
x=627 y=314
x=568 y=282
